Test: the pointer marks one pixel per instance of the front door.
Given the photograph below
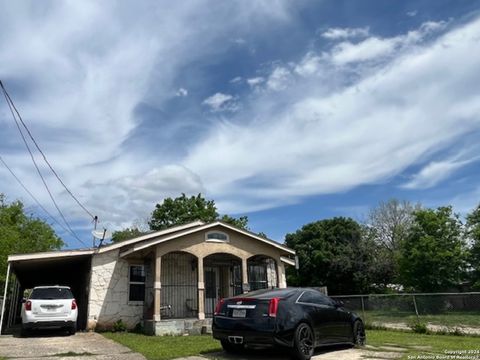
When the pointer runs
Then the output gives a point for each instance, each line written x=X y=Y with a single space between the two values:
x=212 y=289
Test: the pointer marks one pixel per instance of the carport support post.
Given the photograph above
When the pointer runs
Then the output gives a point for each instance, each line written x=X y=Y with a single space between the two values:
x=4 y=297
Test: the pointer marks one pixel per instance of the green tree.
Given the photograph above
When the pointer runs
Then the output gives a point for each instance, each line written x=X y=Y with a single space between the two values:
x=331 y=253
x=241 y=222
x=179 y=211
x=473 y=232
x=127 y=233
x=182 y=210
x=21 y=233
x=433 y=256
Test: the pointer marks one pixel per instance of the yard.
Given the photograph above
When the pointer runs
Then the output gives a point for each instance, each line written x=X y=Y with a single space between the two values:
x=381 y=343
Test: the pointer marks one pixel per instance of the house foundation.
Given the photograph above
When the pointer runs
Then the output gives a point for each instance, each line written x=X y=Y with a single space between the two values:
x=178 y=327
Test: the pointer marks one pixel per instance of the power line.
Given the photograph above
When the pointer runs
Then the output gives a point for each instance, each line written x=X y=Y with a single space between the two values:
x=7 y=96
x=35 y=163
x=38 y=202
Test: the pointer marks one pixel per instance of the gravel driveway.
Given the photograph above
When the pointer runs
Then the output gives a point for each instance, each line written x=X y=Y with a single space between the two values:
x=75 y=347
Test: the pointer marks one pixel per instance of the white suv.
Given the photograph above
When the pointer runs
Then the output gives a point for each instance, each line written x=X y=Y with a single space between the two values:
x=50 y=307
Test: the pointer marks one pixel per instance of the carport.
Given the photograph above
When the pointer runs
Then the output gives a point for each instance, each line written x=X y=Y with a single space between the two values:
x=69 y=268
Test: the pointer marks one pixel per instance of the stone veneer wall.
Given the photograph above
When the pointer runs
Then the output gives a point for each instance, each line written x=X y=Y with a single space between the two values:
x=108 y=300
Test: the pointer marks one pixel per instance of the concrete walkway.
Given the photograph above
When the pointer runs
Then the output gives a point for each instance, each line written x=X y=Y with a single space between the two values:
x=52 y=347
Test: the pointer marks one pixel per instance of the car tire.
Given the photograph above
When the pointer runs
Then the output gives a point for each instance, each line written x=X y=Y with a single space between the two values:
x=232 y=348
x=24 y=332
x=303 y=342
x=359 y=338
x=72 y=330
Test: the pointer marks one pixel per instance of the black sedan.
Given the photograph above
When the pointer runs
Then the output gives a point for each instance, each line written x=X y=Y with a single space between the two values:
x=300 y=319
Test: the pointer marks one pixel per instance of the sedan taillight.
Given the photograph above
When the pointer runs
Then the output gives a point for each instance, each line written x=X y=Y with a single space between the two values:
x=273 y=307
x=219 y=307
x=28 y=305
x=74 y=304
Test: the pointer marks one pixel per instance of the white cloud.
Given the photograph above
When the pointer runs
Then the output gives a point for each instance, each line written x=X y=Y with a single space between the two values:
x=374 y=48
x=236 y=80
x=278 y=79
x=370 y=48
x=434 y=173
x=309 y=65
x=345 y=33
x=221 y=102
x=412 y=13
x=239 y=41
x=335 y=134
x=182 y=92
x=135 y=196
x=78 y=72
x=255 y=81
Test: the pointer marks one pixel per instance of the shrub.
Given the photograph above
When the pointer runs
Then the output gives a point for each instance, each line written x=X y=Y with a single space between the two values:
x=139 y=329
x=419 y=327
x=119 y=326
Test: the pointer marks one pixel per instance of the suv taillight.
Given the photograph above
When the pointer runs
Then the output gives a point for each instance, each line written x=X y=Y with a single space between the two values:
x=218 y=307
x=74 y=304
x=28 y=305
x=273 y=307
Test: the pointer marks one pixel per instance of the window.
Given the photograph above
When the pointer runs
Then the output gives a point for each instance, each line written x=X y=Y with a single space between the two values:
x=137 y=283
x=310 y=297
x=53 y=293
x=216 y=236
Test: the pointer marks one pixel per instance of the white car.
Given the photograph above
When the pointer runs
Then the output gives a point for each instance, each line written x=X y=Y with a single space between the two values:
x=50 y=307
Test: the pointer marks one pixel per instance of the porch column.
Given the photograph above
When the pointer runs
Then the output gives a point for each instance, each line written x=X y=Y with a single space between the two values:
x=281 y=278
x=4 y=297
x=157 y=286
x=245 y=285
x=201 y=290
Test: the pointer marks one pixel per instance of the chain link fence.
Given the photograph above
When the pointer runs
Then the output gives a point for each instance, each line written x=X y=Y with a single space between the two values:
x=439 y=312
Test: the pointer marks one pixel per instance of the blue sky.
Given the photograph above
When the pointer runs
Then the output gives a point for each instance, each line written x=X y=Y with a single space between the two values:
x=285 y=111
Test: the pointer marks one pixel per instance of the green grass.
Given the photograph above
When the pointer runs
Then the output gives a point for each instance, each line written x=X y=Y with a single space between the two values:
x=450 y=319
x=430 y=344
x=171 y=347
x=166 y=347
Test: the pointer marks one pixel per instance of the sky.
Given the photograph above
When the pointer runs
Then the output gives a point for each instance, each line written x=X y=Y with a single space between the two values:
x=285 y=111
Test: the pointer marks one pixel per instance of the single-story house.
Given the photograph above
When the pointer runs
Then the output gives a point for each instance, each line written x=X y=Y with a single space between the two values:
x=169 y=281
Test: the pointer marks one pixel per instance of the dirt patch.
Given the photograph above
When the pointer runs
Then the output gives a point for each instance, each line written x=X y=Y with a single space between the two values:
x=431 y=327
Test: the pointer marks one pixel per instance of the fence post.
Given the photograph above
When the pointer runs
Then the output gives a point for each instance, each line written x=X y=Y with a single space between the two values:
x=416 y=309
x=363 y=310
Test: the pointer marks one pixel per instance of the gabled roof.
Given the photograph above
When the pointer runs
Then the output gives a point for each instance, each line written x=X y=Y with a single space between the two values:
x=151 y=235
x=151 y=239
x=143 y=245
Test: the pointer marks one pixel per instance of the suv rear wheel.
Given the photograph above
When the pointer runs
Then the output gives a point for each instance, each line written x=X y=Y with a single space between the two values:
x=72 y=330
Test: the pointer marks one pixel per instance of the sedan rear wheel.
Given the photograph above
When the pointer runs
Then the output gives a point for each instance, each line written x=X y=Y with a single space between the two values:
x=303 y=343
x=359 y=337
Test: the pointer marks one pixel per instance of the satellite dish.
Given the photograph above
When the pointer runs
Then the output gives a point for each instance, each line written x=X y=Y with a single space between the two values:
x=102 y=234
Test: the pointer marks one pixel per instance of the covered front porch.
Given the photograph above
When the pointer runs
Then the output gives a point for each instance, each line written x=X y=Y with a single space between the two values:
x=187 y=286
x=184 y=279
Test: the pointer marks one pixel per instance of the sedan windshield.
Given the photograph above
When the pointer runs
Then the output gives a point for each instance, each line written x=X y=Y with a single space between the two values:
x=51 y=294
